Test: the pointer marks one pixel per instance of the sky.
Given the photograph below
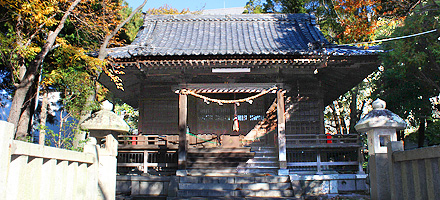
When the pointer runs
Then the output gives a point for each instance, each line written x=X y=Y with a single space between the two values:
x=193 y=5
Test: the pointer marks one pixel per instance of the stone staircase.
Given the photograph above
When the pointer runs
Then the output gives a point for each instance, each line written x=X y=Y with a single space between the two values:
x=234 y=187
x=217 y=160
x=265 y=161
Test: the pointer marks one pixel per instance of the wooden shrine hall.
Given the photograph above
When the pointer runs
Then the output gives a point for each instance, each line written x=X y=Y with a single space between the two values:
x=240 y=93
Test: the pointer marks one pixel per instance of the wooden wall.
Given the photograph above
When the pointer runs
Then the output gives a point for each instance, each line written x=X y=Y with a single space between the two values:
x=304 y=108
x=159 y=116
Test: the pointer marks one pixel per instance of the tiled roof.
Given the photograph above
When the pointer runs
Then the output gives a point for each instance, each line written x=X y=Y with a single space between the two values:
x=251 y=34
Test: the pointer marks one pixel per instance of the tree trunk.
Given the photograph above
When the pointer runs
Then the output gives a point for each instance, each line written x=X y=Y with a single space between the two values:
x=342 y=120
x=25 y=122
x=335 y=118
x=34 y=67
x=421 y=140
x=18 y=101
x=43 y=118
x=61 y=131
x=85 y=114
x=353 y=110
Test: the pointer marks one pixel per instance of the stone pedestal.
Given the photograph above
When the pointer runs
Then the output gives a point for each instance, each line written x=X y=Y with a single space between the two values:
x=380 y=125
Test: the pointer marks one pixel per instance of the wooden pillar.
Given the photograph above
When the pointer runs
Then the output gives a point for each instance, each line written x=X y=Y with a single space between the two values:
x=318 y=163
x=183 y=146
x=282 y=154
x=360 y=160
x=145 y=161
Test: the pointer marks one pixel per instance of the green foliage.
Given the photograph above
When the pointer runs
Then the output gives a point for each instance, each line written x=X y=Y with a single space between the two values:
x=327 y=19
x=411 y=75
x=275 y=6
x=292 y=6
x=128 y=113
x=412 y=72
x=69 y=70
x=323 y=10
x=254 y=7
x=64 y=138
x=129 y=31
x=433 y=133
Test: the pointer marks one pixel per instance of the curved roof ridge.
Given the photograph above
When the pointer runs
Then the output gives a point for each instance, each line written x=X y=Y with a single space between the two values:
x=245 y=34
x=231 y=17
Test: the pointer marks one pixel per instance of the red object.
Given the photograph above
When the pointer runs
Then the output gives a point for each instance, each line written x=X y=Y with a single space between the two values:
x=329 y=137
x=133 y=142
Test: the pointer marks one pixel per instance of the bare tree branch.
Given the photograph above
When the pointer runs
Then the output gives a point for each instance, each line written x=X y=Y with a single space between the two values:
x=103 y=49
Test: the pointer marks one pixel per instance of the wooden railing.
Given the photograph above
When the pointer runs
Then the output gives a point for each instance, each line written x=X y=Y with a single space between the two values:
x=205 y=140
x=322 y=140
x=341 y=160
x=151 y=161
x=148 y=141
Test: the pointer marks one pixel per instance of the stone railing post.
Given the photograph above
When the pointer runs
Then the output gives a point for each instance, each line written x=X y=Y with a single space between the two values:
x=102 y=176
x=380 y=125
x=6 y=136
x=394 y=173
x=107 y=167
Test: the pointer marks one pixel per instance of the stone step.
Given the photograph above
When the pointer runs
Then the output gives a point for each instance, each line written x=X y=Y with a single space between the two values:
x=238 y=179
x=262 y=147
x=208 y=164
x=220 y=160
x=265 y=151
x=234 y=198
x=257 y=161
x=234 y=186
x=221 y=155
x=219 y=150
x=259 y=165
x=234 y=193
x=224 y=171
x=263 y=158
x=265 y=171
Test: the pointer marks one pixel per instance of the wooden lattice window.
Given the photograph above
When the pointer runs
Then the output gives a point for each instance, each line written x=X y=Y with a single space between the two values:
x=159 y=117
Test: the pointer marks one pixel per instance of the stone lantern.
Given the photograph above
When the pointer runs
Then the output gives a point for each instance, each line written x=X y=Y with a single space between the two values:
x=105 y=122
x=105 y=126
x=380 y=125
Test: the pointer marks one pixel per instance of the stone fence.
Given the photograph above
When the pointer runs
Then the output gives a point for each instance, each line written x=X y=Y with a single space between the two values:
x=414 y=174
x=32 y=171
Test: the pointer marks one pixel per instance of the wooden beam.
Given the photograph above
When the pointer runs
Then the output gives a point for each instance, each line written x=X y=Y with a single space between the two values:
x=282 y=154
x=183 y=146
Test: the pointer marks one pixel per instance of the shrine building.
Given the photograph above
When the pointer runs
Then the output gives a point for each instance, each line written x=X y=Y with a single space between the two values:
x=236 y=94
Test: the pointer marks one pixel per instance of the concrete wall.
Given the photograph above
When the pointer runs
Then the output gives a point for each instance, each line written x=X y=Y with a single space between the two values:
x=414 y=174
x=32 y=171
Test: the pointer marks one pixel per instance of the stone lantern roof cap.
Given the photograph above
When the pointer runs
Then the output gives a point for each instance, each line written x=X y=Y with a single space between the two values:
x=105 y=120
x=380 y=117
